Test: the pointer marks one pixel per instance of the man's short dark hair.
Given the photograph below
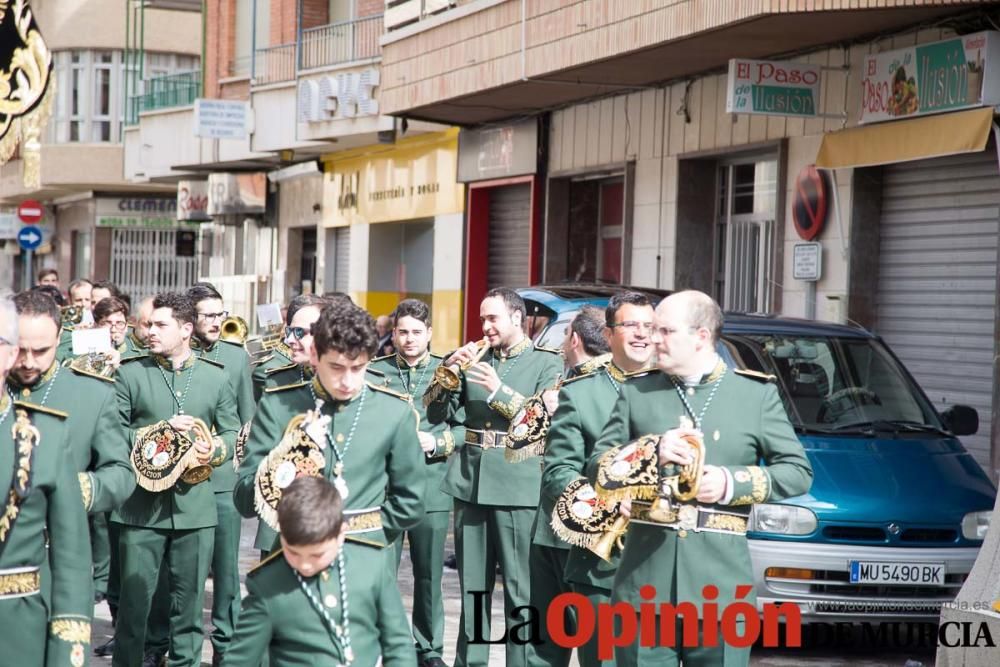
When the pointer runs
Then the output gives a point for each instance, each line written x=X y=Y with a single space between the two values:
x=108 y=285
x=37 y=303
x=589 y=326
x=201 y=291
x=511 y=299
x=79 y=282
x=181 y=307
x=44 y=273
x=109 y=306
x=414 y=308
x=53 y=293
x=619 y=299
x=338 y=297
x=301 y=301
x=310 y=512
x=346 y=329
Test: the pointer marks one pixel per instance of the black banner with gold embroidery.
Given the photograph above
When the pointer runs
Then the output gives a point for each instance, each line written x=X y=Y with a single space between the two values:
x=26 y=86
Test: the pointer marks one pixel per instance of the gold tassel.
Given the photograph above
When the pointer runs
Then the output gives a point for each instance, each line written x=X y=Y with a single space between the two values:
x=512 y=455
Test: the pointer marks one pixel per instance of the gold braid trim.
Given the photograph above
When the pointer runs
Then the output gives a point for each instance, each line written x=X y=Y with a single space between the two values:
x=508 y=406
x=87 y=489
x=364 y=522
x=221 y=451
x=71 y=630
x=26 y=437
x=20 y=583
x=735 y=524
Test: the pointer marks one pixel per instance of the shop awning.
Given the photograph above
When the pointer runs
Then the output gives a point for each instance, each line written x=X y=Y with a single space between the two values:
x=906 y=140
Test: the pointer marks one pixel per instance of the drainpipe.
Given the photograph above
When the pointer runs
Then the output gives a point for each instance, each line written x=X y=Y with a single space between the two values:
x=524 y=37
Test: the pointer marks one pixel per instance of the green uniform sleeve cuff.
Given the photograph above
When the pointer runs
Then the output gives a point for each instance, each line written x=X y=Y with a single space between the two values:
x=69 y=639
x=445 y=445
x=751 y=484
x=506 y=401
x=86 y=489
x=220 y=453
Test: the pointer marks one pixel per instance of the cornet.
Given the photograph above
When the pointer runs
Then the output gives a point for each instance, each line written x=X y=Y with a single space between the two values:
x=449 y=378
x=679 y=482
x=234 y=330
x=202 y=470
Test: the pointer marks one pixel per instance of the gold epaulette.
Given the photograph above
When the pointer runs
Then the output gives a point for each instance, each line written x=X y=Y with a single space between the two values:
x=270 y=559
x=377 y=373
x=576 y=378
x=638 y=374
x=85 y=373
x=294 y=385
x=217 y=364
x=254 y=362
x=386 y=390
x=41 y=408
x=383 y=357
x=278 y=369
x=367 y=543
x=549 y=349
x=755 y=375
x=133 y=358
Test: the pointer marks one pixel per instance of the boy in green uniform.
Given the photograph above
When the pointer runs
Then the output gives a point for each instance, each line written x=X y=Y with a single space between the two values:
x=739 y=417
x=317 y=601
x=173 y=527
x=370 y=443
x=585 y=402
x=495 y=501
x=43 y=529
x=409 y=370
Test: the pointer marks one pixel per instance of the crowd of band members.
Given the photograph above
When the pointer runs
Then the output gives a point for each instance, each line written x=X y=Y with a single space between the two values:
x=415 y=466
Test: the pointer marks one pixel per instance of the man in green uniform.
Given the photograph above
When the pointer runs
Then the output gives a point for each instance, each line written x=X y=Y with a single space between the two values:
x=233 y=358
x=43 y=529
x=409 y=370
x=495 y=501
x=315 y=601
x=371 y=449
x=585 y=402
x=175 y=526
x=302 y=313
x=112 y=313
x=80 y=299
x=140 y=332
x=96 y=439
x=679 y=547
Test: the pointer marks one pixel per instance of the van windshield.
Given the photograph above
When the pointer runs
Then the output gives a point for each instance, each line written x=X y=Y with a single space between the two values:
x=838 y=385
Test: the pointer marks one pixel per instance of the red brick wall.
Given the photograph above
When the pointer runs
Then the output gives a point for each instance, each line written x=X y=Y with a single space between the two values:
x=282 y=22
x=315 y=13
x=369 y=7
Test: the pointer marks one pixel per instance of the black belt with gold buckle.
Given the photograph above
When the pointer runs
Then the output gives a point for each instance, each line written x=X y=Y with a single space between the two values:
x=693 y=518
x=484 y=439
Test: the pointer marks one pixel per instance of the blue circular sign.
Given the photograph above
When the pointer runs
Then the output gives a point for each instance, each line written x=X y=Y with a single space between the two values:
x=29 y=237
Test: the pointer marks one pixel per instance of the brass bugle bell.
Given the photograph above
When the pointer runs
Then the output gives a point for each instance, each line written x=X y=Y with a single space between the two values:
x=201 y=471
x=611 y=538
x=681 y=486
x=71 y=315
x=234 y=330
x=450 y=377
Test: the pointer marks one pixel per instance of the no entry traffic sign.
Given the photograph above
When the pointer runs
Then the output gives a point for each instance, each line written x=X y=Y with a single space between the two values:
x=30 y=211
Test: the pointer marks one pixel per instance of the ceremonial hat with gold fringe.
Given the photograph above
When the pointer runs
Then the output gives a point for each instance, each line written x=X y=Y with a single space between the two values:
x=580 y=517
x=297 y=455
x=160 y=455
x=526 y=434
x=630 y=471
x=26 y=87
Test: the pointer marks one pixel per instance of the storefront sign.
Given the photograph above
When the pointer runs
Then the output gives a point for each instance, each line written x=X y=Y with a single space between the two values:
x=136 y=212
x=338 y=96
x=498 y=152
x=9 y=226
x=773 y=88
x=237 y=194
x=192 y=201
x=221 y=119
x=416 y=179
x=931 y=78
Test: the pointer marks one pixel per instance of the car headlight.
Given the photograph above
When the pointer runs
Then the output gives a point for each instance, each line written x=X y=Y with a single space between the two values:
x=975 y=524
x=782 y=519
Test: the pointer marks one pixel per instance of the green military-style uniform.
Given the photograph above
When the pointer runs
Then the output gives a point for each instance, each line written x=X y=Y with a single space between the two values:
x=372 y=441
x=225 y=556
x=173 y=528
x=41 y=505
x=64 y=350
x=132 y=346
x=278 y=358
x=743 y=422
x=495 y=501
x=428 y=538
x=585 y=402
x=286 y=616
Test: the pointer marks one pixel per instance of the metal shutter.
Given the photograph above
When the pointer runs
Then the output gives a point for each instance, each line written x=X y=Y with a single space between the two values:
x=510 y=235
x=938 y=276
x=342 y=269
x=144 y=262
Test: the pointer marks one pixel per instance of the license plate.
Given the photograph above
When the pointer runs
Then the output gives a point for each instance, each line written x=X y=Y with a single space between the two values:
x=881 y=572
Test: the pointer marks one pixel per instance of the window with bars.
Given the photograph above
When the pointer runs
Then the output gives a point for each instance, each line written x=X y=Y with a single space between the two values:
x=745 y=234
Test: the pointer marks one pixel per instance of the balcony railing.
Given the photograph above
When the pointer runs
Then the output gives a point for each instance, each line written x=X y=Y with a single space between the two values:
x=400 y=13
x=342 y=42
x=163 y=92
x=274 y=64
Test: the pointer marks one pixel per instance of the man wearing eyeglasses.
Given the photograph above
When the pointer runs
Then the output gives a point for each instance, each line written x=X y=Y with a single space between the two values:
x=43 y=524
x=289 y=362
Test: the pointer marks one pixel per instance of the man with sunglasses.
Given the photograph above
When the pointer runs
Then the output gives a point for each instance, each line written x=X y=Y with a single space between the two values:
x=43 y=524
x=289 y=362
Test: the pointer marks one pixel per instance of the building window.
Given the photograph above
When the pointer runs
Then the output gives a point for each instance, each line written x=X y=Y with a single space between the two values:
x=744 y=255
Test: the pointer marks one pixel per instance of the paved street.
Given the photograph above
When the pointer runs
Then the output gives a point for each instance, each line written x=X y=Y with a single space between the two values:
x=841 y=656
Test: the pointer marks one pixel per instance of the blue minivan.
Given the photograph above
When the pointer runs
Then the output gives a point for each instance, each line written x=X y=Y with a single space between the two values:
x=898 y=508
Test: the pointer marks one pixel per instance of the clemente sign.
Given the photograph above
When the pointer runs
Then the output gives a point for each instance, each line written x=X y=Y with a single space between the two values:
x=773 y=88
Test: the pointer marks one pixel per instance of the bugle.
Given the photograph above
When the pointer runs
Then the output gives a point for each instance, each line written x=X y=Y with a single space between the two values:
x=201 y=470
x=449 y=378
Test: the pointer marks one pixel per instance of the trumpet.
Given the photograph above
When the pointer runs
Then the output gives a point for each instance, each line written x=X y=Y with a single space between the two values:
x=95 y=363
x=201 y=470
x=449 y=378
x=611 y=538
x=234 y=330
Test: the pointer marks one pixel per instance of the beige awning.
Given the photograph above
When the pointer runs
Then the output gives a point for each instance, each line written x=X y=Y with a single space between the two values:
x=905 y=140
